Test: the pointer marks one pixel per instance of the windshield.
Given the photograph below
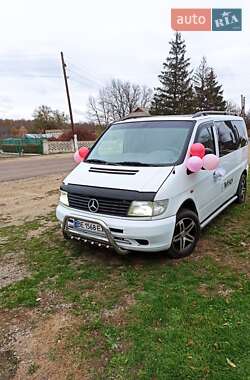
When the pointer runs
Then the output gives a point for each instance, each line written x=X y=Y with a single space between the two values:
x=149 y=143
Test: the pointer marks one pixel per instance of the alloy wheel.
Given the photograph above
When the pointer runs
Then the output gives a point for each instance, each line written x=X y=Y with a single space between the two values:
x=243 y=189
x=184 y=234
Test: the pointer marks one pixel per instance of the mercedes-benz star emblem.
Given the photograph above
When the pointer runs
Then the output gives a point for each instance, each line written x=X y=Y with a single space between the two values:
x=93 y=205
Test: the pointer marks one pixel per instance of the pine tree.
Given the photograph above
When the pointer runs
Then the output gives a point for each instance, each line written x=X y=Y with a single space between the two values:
x=208 y=93
x=200 y=84
x=214 y=93
x=175 y=95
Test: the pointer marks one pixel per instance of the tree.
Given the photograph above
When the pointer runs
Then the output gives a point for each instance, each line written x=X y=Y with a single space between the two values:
x=200 y=83
x=117 y=100
x=175 y=95
x=60 y=119
x=232 y=107
x=45 y=118
x=214 y=91
x=84 y=132
x=208 y=93
x=248 y=122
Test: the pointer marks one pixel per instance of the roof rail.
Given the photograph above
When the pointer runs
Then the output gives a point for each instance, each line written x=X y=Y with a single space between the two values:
x=205 y=113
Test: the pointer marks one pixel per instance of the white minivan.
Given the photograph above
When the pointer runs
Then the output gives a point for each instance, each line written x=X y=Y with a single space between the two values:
x=134 y=192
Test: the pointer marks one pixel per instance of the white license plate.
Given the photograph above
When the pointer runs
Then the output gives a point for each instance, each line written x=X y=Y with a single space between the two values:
x=87 y=226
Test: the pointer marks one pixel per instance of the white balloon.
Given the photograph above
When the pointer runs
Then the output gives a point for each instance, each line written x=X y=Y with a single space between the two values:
x=220 y=172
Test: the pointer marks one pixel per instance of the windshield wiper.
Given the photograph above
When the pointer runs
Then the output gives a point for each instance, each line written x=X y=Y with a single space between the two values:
x=96 y=161
x=126 y=163
x=132 y=163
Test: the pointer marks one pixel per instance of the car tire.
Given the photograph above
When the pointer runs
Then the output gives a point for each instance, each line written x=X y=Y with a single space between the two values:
x=242 y=189
x=186 y=234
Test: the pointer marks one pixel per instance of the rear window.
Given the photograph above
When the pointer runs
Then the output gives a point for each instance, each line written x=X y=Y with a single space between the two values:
x=231 y=135
x=241 y=132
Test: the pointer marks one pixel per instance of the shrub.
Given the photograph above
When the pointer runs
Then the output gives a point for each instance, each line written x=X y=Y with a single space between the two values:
x=85 y=133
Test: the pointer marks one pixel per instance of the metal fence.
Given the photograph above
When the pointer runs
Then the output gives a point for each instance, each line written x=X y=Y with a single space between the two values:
x=39 y=146
x=22 y=145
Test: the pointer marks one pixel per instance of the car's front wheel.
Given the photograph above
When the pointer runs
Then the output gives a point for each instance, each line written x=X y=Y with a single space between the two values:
x=186 y=234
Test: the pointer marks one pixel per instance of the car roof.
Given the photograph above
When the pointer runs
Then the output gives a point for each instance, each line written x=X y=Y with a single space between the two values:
x=212 y=117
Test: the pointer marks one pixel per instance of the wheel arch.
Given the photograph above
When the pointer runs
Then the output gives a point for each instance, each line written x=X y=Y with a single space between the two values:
x=244 y=172
x=190 y=205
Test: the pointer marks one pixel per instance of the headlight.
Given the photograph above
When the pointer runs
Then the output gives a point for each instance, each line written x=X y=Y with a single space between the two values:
x=142 y=208
x=64 y=197
x=160 y=207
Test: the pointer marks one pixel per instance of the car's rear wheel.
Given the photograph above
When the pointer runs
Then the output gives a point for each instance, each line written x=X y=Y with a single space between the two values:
x=186 y=234
x=242 y=189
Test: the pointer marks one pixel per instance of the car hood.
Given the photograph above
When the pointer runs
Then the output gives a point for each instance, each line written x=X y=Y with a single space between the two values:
x=119 y=177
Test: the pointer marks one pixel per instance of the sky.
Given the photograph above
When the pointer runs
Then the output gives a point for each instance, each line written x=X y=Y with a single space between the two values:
x=103 y=40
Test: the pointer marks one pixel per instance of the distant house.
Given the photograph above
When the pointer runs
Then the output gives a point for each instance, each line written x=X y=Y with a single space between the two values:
x=35 y=136
x=54 y=133
x=47 y=135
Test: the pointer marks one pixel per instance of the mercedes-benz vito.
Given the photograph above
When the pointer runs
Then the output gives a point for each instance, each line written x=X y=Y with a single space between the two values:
x=134 y=192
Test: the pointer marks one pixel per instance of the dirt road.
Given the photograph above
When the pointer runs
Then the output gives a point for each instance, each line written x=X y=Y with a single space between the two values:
x=35 y=166
x=26 y=199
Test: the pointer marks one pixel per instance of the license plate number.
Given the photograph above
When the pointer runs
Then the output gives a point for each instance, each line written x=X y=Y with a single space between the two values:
x=87 y=226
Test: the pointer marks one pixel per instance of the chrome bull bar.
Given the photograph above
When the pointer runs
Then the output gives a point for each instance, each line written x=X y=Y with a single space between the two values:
x=91 y=237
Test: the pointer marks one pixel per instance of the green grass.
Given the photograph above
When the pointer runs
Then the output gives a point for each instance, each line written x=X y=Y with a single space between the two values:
x=188 y=320
x=176 y=333
x=32 y=369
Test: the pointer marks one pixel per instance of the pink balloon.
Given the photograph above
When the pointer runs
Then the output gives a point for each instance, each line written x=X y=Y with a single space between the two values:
x=77 y=157
x=197 y=149
x=83 y=152
x=210 y=162
x=194 y=164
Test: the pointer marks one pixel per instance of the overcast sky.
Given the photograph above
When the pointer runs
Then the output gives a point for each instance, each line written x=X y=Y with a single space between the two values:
x=103 y=40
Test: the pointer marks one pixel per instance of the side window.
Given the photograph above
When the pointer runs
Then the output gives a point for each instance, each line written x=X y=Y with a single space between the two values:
x=205 y=136
x=241 y=131
x=228 y=137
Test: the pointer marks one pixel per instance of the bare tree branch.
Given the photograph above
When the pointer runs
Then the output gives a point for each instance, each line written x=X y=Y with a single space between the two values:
x=117 y=100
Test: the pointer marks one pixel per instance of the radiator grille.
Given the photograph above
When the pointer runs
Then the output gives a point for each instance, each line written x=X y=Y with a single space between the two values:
x=106 y=206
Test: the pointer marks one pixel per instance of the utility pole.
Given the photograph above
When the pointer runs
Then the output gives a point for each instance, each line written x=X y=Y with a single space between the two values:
x=243 y=105
x=69 y=102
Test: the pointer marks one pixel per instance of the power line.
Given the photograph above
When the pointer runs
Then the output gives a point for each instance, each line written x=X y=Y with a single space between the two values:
x=82 y=81
x=80 y=75
x=85 y=77
x=88 y=73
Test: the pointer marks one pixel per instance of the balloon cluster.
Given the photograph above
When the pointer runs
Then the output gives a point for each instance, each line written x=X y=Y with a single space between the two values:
x=81 y=154
x=199 y=159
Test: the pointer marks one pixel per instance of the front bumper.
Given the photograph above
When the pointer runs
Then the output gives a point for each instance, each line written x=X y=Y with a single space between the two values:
x=123 y=234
